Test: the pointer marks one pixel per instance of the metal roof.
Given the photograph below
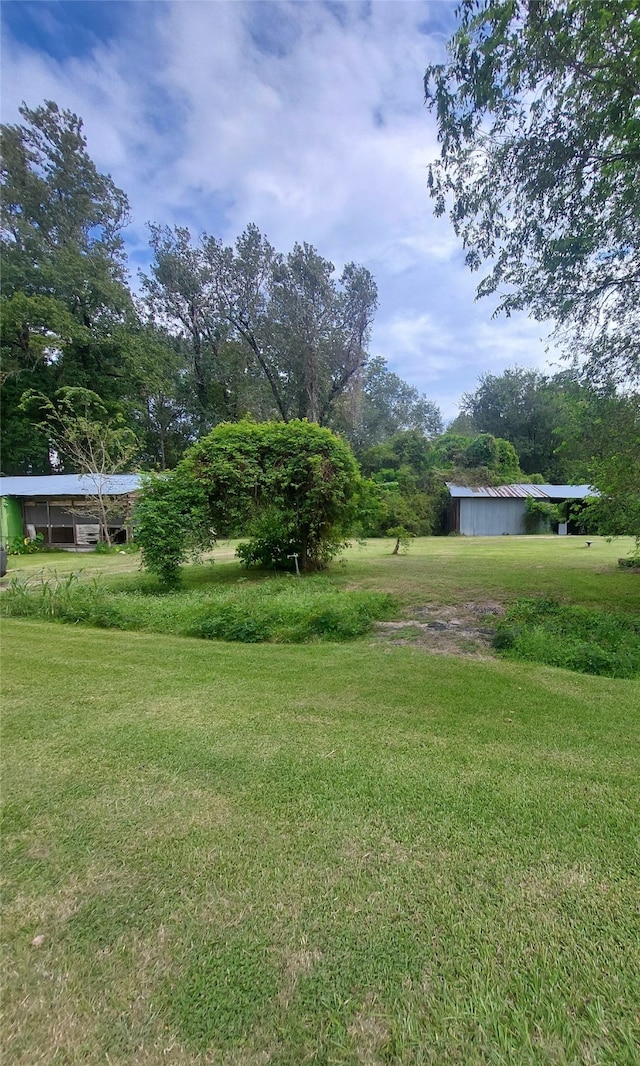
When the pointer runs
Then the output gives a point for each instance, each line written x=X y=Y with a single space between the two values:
x=522 y=492
x=70 y=485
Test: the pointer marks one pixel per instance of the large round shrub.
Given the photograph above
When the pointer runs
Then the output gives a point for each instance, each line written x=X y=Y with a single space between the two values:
x=291 y=487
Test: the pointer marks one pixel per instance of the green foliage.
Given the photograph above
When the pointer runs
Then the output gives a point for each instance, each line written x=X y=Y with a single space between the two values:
x=630 y=562
x=27 y=546
x=65 y=303
x=172 y=522
x=531 y=411
x=480 y=460
x=494 y=454
x=294 y=612
x=77 y=426
x=539 y=515
x=161 y=403
x=540 y=145
x=410 y=472
x=383 y=405
x=273 y=541
x=576 y=638
x=293 y=487
x=279 y=610
x=402 y=538
x=289 y=319
x=405 y=505
x=613 y=426
x=62 y=598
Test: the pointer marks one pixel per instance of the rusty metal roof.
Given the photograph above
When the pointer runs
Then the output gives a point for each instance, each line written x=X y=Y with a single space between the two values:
x=522 y=492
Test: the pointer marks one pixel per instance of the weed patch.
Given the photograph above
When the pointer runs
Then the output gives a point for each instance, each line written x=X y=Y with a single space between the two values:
x=280 y=610
x=577 y=638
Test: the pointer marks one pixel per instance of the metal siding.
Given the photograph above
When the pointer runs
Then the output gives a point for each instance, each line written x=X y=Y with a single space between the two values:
x=491 y=517
x=50 y=485
x=539 y=492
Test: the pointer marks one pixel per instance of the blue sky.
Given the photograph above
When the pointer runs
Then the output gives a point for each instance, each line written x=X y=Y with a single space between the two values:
x=304 y=117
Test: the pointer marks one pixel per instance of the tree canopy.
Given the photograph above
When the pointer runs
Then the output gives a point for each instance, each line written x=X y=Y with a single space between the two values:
x=538 y=115
x=220 y=331
x=285 y=317
x=65 y=301
x=380 y=404
x=78 y=429
x=530 y=409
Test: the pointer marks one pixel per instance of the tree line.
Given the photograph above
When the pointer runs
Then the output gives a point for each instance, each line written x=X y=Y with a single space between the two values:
x=215 y=332
x=220 y=333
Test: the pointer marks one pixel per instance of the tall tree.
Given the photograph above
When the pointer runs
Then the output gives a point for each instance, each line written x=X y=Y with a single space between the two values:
x=160 y=403
x=602 y=441
x=617 y=472
x=64 y=294
x=179 y=298
x=380 y=404
x=306 y=332
x=538 y=114
x=301 y=331
x=529 y=409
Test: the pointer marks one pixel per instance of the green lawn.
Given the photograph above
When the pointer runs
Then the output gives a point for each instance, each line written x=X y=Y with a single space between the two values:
x=330 y=853
x=434 y=570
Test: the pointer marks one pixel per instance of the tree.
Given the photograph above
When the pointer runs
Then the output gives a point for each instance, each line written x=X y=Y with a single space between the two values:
x=180 y=300
x=529 y=409
x=380 y=404
x=607 y=427
x=81 y=434
x=160 y=405
x=247 y=310
x=292 y=487
x=410 y=472
x=66 y=308
x=537 y=112
x=172 y=522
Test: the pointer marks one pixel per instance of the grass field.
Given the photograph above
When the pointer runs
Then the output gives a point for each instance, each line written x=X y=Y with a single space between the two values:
x=330 y=853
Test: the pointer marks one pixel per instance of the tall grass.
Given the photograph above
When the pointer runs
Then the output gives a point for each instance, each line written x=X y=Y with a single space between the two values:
x=543 y=630
x=280 y=610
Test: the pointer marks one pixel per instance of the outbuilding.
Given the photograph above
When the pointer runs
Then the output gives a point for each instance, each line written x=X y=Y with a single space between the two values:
x=61 y=508
x=491 y=511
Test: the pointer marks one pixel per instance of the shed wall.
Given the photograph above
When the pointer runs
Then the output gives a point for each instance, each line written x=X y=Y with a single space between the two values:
x=491 y=517
x=10 y=520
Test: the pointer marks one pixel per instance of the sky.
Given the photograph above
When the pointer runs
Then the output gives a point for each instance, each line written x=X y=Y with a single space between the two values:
x=304 y=117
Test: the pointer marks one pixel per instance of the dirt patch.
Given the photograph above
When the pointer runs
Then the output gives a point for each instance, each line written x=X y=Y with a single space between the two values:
x=370 y=1033
x=296 y=964
x=465 y=629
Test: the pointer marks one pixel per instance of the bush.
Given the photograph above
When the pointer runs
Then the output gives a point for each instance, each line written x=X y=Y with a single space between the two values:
x=293 y=487
x=630 y=562
x=172 y=521
x=27 y=546
x=540 y=516
x=576 y=638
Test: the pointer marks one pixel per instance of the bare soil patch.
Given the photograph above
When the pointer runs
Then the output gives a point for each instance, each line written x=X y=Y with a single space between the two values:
x=465 y=629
